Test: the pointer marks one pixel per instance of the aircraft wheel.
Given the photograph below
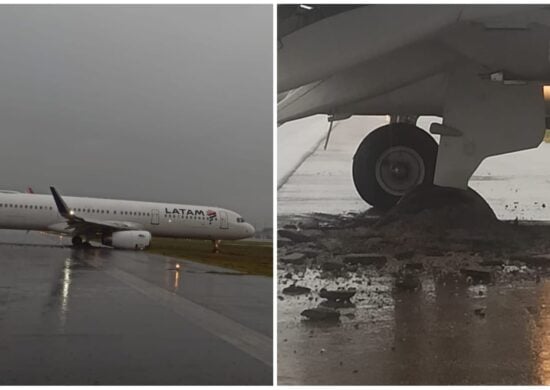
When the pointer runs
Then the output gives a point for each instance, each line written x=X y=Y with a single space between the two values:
x=390 y=161
x=77 y=241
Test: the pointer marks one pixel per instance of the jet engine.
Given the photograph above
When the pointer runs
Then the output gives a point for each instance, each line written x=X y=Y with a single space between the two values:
x=129 y=239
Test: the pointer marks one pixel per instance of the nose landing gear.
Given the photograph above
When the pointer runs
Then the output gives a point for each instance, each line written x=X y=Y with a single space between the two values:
x=216 y=246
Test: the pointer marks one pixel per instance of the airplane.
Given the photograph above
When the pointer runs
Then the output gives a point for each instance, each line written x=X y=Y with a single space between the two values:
x=121 y=224
x=484 y=69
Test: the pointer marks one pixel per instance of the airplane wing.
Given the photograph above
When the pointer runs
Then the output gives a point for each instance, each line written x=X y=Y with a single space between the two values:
x=86 y=226
x=387 y=59
x=484 y=69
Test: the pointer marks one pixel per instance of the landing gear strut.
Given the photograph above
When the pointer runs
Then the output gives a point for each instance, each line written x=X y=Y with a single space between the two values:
x=216 y=246
x=391 y=160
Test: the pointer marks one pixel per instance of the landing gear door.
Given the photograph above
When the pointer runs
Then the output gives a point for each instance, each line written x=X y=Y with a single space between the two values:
x=155 y=217
x=224 y=223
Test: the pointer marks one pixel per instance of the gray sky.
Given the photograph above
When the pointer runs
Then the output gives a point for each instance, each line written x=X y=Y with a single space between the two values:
x=160 y=103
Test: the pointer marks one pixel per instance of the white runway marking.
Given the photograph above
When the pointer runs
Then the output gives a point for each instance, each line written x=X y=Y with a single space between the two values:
x=241 y=337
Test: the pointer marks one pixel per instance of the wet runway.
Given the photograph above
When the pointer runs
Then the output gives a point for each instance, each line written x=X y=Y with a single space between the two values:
x=445 y=330
x=102 y=316
x=433 y=336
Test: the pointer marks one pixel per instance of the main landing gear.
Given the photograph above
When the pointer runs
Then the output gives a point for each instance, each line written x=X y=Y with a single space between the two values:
x=77 y=241
x=391 y=160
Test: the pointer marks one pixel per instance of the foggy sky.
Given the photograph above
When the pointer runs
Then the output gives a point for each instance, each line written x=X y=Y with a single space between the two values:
x=158 y=103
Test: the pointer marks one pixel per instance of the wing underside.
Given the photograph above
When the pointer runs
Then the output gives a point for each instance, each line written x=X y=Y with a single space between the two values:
x=372 y=59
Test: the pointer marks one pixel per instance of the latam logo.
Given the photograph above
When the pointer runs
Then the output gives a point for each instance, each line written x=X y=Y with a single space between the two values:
x=187 y=212
x=211 y=215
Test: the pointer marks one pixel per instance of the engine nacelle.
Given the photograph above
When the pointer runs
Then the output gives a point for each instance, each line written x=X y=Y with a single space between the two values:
x=129 y=239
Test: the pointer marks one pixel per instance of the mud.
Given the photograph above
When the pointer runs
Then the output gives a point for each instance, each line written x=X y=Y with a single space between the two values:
x=420 y=289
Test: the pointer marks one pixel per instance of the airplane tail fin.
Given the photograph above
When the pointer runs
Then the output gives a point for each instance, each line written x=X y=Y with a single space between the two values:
x=60 y=203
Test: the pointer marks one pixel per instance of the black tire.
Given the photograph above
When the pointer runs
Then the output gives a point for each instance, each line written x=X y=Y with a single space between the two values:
x=397 y=138
x=77 y=241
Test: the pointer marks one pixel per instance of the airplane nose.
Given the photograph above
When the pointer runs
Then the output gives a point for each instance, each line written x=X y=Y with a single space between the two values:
x=250 y=229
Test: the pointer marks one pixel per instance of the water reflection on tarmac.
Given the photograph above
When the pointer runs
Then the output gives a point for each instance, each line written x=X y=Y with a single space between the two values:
x=448 y=332
x=101 y=316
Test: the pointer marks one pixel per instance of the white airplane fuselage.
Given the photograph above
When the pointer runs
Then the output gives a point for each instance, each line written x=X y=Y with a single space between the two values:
x=39 y=212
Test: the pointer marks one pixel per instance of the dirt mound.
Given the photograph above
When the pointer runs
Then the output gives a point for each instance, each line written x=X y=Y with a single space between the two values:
x=431 y=208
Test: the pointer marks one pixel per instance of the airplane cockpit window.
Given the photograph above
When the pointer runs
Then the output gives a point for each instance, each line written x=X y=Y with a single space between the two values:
x=240 y=220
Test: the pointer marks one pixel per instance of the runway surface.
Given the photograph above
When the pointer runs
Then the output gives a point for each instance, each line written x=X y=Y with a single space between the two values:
x=104 y=316
x=445 y=329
